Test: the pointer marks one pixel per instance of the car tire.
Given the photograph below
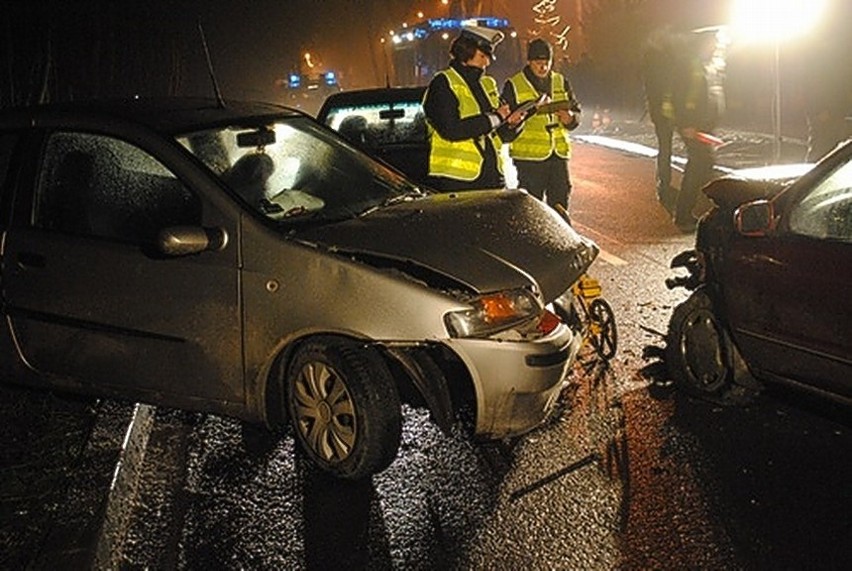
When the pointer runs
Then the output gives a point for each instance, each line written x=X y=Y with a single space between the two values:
x=698 y=348
x=344 y=407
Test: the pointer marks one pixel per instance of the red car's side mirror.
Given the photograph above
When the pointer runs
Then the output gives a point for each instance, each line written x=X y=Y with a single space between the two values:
x=755 y=218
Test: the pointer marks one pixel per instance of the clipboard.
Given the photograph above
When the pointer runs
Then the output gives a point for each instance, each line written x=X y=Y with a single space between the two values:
x=554 y=106
x=532 y=104
x=525 y=107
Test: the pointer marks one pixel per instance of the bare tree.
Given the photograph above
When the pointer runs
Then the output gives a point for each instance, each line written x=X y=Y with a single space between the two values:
x=616 y=30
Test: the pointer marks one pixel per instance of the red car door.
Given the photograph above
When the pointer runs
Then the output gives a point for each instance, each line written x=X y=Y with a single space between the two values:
x=788 y=295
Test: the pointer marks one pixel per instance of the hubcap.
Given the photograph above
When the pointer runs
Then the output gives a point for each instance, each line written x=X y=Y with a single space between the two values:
x=325 y=414
x=701 y=347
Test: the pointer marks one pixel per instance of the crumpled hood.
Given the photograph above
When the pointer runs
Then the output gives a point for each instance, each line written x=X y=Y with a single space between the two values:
x=745 y=185
x=485 y=240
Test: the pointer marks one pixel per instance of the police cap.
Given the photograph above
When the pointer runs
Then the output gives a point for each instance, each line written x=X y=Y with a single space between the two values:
x=486 y=39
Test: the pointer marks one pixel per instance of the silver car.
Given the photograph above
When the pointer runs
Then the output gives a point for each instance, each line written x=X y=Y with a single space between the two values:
x=244 y=260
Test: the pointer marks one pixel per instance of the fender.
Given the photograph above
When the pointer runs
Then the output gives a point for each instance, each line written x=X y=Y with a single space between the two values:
x=429 y=381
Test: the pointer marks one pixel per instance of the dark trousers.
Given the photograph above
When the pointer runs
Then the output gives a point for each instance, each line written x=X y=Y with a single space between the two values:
x=825 y=130
x=546 y=180
x=698 y=172
x=665 y=132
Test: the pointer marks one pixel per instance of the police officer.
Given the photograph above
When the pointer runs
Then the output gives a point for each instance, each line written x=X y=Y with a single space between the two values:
x=466 y=121
x=542 y=148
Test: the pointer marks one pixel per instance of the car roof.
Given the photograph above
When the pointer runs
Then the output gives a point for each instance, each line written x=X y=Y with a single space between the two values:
x=166 y=114
x=370 y=96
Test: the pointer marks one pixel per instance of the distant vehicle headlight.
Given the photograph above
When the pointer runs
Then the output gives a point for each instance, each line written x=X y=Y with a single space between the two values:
x=493 y=313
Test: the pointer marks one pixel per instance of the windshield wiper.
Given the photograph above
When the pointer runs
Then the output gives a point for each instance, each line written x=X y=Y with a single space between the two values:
x=394 y=200
x=294 y=214
x=404 y=197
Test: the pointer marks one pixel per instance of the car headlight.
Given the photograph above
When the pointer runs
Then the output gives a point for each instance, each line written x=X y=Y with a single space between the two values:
x=492 y=313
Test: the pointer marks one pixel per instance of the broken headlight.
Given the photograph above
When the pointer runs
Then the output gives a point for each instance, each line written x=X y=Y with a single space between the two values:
x=492 y=313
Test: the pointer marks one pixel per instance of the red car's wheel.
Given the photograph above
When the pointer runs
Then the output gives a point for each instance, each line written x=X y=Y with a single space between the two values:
x=698 y=348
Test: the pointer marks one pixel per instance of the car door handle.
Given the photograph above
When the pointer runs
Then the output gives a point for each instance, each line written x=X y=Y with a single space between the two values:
x=30 y=260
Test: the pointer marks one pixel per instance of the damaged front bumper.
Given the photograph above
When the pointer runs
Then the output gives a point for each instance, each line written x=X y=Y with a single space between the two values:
x=693 y=262
x=517 y=383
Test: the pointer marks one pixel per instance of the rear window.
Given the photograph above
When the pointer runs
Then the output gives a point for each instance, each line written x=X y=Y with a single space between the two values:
x=380 y=125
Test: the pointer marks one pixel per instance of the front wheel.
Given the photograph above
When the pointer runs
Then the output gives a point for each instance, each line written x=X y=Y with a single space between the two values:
x=344 y=406
x=698 y=348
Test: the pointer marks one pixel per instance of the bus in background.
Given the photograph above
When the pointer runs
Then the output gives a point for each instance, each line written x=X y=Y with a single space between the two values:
x=420 y=50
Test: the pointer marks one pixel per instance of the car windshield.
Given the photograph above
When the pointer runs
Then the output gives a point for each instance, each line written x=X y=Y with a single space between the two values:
x=292 y=170
x=825 y=212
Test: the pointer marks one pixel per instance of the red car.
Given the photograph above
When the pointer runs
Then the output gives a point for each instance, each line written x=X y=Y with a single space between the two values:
x=771 y=276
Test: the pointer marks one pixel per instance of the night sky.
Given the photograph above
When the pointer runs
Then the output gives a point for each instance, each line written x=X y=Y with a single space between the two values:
x=102 y=47
x=73 y=49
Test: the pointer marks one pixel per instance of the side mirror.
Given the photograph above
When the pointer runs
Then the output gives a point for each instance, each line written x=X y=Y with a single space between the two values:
x=187 y=240
x=755 y=218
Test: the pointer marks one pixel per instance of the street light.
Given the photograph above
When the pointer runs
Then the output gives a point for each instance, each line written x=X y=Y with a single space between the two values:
x=774 y=21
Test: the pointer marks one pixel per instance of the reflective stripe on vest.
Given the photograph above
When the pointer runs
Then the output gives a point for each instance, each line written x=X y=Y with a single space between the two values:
x=543 y=133
x=462 y=160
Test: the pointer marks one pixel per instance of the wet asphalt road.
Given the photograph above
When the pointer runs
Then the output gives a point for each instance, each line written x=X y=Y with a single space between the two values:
x=628 y=474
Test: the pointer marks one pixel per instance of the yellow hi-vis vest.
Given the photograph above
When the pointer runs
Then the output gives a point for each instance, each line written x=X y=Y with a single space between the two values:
x=462 y=160
x=543 y=133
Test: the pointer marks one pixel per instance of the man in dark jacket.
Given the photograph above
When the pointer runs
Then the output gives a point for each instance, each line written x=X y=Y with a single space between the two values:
x=698 y=101
x=657 y=70
x=467 y=123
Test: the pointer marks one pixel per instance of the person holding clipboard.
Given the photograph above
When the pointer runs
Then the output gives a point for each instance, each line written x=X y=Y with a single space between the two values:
x=542 y=148
x=466 y=121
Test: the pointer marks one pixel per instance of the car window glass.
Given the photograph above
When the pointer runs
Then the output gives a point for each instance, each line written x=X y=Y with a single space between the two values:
x=826 y=211
x=93 y=185
x=380 y=125
x=294 y=169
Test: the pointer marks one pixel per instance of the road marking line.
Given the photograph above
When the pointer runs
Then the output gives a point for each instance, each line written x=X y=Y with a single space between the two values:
x=678 y=163
x=611 y=259
x=607 y=257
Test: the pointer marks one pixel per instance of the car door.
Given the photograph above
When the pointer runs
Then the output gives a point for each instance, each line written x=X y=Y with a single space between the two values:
x=90 y=300
x=789 y=298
